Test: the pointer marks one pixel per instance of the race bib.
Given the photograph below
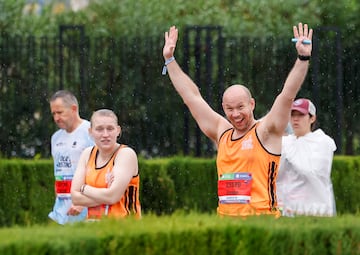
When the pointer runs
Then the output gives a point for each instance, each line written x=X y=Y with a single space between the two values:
x=97 y=212
x=235 y=188
x=63 y=184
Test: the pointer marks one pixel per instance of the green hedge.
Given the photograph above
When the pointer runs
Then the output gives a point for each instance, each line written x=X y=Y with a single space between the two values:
x=27 y=191
x=195 y=182
x=345 y=175
x=167 y=185
x=189 y=234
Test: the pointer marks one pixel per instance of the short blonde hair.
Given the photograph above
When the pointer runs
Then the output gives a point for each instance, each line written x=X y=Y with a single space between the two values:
x=104 y=112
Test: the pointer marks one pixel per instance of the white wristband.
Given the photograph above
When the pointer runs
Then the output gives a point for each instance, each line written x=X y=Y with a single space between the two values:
x=168 y=61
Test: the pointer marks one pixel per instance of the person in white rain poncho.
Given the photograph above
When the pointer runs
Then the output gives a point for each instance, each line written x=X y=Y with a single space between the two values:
x=304 y=184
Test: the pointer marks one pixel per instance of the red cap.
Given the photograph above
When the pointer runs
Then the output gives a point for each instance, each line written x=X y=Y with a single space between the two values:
x=303 y=105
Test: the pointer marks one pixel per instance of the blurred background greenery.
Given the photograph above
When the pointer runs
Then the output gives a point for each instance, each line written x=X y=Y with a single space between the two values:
x=116 y=63
x=129 y=18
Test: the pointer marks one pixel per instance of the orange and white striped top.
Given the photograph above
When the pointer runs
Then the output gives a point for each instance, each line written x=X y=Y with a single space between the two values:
x=129 y=203
x=246 y=176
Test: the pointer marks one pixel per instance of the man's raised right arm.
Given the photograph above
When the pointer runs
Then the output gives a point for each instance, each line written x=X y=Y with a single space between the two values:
x=208 y=120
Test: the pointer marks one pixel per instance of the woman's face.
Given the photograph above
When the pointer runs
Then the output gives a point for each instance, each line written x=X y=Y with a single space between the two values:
x=105 y=131
x=301 y=123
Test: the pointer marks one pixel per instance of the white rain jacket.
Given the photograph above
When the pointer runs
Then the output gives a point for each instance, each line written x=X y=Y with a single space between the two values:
x=304 y=184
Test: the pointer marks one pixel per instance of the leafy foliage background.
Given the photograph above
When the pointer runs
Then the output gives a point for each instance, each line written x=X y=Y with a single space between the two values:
x=126 y=65
x=150 y=17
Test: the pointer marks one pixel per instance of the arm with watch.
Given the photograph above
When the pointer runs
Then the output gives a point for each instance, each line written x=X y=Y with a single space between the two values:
x=277 y=118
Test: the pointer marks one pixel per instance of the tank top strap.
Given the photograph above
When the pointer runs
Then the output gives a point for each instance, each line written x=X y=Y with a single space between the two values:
x=112 y=159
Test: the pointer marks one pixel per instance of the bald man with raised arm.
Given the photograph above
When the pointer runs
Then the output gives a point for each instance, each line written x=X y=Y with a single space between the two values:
x=248 y=149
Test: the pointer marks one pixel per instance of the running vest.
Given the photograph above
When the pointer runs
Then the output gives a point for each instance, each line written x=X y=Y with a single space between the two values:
x=246 y=176
x=129 y=203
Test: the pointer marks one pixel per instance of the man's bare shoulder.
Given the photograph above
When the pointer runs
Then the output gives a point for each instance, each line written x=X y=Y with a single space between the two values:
x=269 y=137
x=223 y=126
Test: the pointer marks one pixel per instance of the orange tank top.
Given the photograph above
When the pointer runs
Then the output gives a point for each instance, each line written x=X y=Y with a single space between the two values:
x=246 y=176
x=129 y=203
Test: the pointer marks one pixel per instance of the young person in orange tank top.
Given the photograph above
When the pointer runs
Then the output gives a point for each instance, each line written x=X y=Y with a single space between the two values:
x=107 y=177
x=248 y=150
